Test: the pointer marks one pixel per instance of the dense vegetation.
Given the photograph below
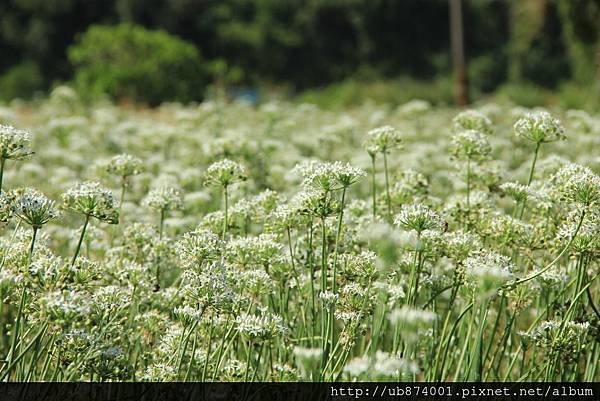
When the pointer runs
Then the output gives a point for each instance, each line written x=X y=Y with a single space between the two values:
x=550 y=44
x=224 y=242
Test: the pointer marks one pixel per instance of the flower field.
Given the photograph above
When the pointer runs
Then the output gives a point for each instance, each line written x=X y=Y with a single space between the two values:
x=225 y=242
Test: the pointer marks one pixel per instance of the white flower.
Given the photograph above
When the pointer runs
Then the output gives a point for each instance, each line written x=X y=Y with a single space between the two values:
x=539 y=127
x=382 y=140
x=164 y=198
x=578 y=184
x=91 y=199
x=33 y=207
x=489 y=270
x=14 y=143
x=419 y=218
x=124 y=165
x=471 y=145
x=264 y=327
x=224 y=173
x=472 y=120
x=198 y=247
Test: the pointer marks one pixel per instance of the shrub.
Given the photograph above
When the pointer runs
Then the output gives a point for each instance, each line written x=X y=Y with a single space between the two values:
x=130 y=62
x=21 y=81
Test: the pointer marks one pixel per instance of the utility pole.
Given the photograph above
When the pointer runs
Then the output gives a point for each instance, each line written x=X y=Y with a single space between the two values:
x=461 y=96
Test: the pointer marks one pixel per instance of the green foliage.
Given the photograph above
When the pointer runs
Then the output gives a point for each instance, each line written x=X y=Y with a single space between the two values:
x=306 y=45
x=575 y=96
x=485 y=73
x=581 y=32
x=525 y=94
x=131 y=62
x=21 y=81
x=393 y=92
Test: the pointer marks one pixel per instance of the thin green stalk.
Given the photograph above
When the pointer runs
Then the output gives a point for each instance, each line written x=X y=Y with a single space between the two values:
x=337 y=239
x=161 y=223
x=476 y=360
x=335 y=260
x=14 y=360
x=10 y=244
x=2 y=162
x=465 y=345
x=530 y=179
x=468 y=186
x=222 y=348
x=247 y=370
x=87 y=219
x=449 y=338
x=31 y=247
x=257 y=365
x=226 y=197
x=15 y=338
x=323 y=287
x=387 y=188
x=122 y=198
x=374 y=187
x=206 y=363
x=545 y=269
x=312 y=278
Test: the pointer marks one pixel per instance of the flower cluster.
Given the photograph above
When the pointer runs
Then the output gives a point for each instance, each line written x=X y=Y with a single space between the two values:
x=472 y=120
x=382 y=140
x=489 y=270
x=91 y=199
x=224 y=173
x=125 y=165
x=33 y=208
x=382 y=366
x=540 y=127
x=14 y=143
x=261 y=327
x=326 y=176
x=578 y=184
x=419 y=218
x=470 y=145
x=198 y=247
x=164 y=198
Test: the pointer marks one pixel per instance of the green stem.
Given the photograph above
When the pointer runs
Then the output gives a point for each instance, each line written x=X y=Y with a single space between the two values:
x=2 y=161
x=249 y=352
x=87 y=219
x=162 y=223
x=122 y=198
x=387 y=188
x=337 y=238
x=535 y=157
x=207 y=361
x=312 y=278
x=31 y=247
x=468 y=186
x=374 y=188
x=323 y=286
x=226 y=196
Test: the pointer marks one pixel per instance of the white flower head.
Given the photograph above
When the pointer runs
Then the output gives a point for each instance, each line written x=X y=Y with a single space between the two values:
x=472 y=120
x=14 y=143
x=540 y=127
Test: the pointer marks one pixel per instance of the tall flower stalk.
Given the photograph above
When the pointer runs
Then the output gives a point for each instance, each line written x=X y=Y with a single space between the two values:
x=124 y=166
x=92 y=201
x=383 y=140
x=539 y=128
x=223 y=174
x=163 y=199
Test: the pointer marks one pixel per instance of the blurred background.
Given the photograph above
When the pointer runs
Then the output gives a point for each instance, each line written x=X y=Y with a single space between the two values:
x=334 y=53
